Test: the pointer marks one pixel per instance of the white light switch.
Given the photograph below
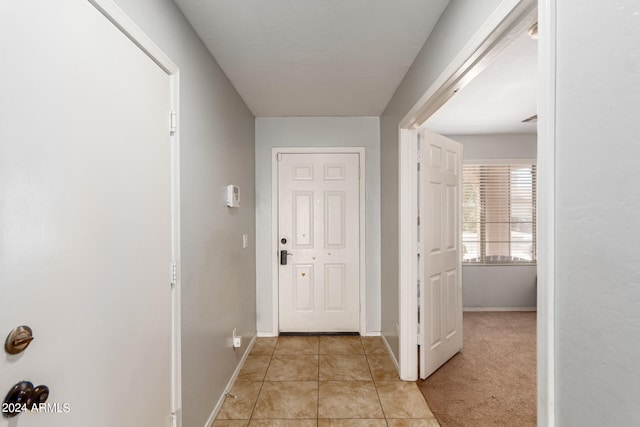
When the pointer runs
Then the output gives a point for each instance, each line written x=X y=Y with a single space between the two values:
x=245 y=241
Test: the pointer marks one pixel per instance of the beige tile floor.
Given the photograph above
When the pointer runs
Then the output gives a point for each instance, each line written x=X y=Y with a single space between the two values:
x=325 y=381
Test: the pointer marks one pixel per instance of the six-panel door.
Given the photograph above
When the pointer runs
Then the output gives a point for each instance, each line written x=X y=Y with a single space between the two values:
x=318 y=222
x=440 y=263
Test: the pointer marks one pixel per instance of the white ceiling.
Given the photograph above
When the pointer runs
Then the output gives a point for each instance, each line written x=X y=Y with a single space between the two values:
x=498 y=99
x=314 y=57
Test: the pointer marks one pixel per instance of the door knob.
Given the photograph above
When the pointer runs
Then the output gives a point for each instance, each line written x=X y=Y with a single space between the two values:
x=17 y=399
x=40 y=395
x=22 y=397
x=283 y=256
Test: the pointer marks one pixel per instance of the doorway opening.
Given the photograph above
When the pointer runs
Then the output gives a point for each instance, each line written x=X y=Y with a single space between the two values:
x=319 y=239
x=516 y=22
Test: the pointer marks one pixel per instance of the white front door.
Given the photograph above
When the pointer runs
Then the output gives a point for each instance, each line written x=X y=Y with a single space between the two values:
x=440 y=265
x=319 y=228
x=85 y=217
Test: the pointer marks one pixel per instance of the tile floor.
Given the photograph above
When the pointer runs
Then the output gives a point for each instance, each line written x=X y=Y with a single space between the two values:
x=322 y=381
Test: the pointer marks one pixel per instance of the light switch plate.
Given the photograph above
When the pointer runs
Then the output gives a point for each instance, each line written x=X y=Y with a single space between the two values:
x=245 y=241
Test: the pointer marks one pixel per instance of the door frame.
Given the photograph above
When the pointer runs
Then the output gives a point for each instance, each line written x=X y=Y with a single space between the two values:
x=274 y=225
x=120 y=20
x=508 y=20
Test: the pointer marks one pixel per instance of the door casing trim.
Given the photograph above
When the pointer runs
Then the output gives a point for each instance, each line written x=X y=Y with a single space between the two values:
x=130 y=29
x=486 y=43
x=507 y=22
x=361 y=151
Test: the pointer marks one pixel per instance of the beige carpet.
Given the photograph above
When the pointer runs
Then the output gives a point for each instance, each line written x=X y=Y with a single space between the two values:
x=492 y=381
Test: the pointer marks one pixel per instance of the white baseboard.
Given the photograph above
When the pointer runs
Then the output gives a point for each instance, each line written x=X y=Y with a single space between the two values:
x=499 y=309
x=216 y=409
x=393 y=357
x=275 y=334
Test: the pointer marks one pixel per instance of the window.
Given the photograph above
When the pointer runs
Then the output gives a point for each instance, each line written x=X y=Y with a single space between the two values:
x=499 y=213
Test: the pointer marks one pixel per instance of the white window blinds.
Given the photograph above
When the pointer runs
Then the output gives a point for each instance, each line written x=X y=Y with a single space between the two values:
x=499 y=213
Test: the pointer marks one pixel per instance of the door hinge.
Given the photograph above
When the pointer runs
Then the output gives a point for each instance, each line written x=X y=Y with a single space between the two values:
x=174 y=273
x=278 y=156
x=419 y=248
x=419 y=156
x=419 y=339
x=174 y=420
x=173 y=122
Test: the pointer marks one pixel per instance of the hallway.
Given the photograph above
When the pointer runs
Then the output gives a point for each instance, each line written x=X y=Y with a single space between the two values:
x=322 y=381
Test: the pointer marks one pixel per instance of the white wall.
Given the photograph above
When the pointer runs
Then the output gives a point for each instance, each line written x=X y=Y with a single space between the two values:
x=218 y=276
x=498 y=285
x=597 y=268
x=498 y=146
x=457 y=25
x=316 y=132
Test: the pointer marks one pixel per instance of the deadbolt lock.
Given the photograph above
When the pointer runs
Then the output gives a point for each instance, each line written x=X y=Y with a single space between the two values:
x=18 y=340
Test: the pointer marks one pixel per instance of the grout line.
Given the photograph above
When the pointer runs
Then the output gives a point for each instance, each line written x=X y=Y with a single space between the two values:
x=375 y=385
x=262 y=384
x=366 y=358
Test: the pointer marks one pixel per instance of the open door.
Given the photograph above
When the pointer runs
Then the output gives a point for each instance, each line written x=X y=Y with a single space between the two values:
x=439 y=266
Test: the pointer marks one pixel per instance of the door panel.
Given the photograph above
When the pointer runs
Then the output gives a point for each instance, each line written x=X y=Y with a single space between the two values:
x=334 y=203
x=303 y=219
x=85 y=216
x=318 y=205
x=303 y=288
x=439 y=266
x=335 y=287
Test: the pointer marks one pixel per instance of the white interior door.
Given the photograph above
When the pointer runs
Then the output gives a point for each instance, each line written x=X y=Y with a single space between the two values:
x=440 y=181
x=85 y=217
x=319 y=228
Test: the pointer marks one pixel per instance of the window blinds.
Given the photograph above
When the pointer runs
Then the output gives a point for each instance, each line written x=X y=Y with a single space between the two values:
x=499 y=213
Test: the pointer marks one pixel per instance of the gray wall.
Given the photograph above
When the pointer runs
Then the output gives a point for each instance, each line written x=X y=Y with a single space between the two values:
x=218 y=276
x=458 y=23
x=316 y=132
x=597 y=266
x=498 y=286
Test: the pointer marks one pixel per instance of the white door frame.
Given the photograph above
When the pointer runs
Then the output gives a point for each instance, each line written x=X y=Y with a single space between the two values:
x=509 y=20
x=119 y=19
x=274 y=224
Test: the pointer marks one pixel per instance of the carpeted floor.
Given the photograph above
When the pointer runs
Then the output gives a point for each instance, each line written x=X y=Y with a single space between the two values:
x=492 y=382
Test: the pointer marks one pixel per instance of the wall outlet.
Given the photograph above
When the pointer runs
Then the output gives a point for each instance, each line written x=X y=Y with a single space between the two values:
x=236 y=339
